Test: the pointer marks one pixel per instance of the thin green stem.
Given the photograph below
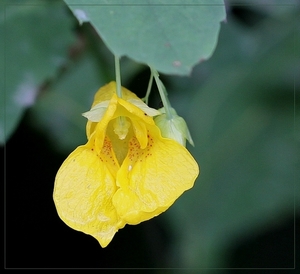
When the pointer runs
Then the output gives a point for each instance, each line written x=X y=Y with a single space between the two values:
x=162 y=93
x=118 y=76
x=146 y=98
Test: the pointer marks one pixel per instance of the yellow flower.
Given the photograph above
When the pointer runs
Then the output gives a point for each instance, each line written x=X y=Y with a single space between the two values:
x=126 y=173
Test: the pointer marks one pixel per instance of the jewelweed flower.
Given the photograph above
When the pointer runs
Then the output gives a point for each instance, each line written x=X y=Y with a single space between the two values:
x=126 y=173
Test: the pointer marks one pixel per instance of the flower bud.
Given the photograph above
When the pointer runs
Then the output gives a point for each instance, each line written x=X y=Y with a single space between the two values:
x=173 y=128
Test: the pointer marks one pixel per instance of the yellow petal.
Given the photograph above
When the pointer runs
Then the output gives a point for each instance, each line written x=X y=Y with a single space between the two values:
x=139 y=120
x=101 y=126
x=84 y=186
x=110 y=125
x=151 y=179
x=105 y=93
x=140 y=132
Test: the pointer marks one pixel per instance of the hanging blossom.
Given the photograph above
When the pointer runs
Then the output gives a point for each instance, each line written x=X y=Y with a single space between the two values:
x=126 y=173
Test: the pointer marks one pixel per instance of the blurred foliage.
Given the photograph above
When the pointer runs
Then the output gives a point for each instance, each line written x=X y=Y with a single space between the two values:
x=240 y=107
x=242 y=116
x=36 y=39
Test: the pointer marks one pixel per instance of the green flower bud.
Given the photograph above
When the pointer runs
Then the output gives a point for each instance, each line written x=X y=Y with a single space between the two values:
x=174 y=128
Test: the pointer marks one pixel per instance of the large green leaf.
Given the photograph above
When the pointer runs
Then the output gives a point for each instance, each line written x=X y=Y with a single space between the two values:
x=35 y=36
x=171 y=36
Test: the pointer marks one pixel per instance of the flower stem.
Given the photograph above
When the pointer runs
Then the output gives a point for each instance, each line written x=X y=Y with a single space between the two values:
x=118 y=76
x=146 y=98
x=162 y=93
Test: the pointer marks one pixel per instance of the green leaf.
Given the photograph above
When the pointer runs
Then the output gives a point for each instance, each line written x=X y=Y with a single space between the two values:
x=171 y=36
x=37 y=35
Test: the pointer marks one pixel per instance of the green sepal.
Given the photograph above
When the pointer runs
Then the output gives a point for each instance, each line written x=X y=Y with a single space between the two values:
x=96 y=113
x=174 y=128
x=144 y=107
